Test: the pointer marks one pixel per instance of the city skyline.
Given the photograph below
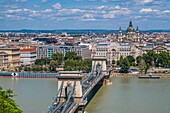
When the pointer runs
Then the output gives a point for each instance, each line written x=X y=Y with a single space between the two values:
x=84 y=14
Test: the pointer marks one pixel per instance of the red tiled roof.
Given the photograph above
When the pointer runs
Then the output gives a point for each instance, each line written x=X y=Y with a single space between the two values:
x=28 y=49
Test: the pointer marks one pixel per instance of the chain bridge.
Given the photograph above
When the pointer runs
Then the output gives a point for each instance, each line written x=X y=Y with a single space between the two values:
x=74 y=93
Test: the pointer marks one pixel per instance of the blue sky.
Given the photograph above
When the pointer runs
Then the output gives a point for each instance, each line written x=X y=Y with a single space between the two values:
x=84 y=14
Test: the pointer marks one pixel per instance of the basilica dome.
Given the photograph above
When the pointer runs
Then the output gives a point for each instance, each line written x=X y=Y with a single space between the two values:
x=130 y=28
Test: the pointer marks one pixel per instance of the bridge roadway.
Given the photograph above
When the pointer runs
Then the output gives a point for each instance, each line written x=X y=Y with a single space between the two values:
x=87 y=87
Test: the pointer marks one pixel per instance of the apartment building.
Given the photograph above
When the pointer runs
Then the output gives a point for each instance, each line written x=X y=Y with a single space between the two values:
x=3 y=59
x=10 y=57
x=46 y=51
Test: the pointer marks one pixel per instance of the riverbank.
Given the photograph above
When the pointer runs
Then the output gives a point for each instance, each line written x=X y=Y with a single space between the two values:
x=162 y=75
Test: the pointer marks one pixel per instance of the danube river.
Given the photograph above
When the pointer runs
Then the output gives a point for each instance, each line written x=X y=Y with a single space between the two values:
x=125 y=95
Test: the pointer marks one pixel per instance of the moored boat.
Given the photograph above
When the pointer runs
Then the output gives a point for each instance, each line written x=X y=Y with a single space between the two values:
x=150 y=76
x=5 y=74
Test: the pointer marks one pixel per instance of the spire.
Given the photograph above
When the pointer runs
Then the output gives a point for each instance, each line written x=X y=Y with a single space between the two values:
x=130 y=24
x=120 y=29
x=137 y=30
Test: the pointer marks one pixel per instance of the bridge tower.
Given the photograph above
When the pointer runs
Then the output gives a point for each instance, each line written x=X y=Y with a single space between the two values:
x=70 y=79
x=101 y=61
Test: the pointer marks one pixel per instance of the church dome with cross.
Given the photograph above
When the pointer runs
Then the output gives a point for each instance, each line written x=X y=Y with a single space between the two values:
x=130 y=28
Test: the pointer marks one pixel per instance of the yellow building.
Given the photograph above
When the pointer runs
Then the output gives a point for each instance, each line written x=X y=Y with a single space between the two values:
x=9 y=57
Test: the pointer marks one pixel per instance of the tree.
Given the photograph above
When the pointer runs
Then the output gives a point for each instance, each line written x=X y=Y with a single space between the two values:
x=125 y=65
x=72 y=55
x=53 y=65
x=7 y=104
x=142 y=65
x=69 y=65
x=146 y=68
x=42 y=61
x=149 y=57
x=74 y=65
x=58 y=57
x=164 y=59
x=131 y=60
x=138 y=59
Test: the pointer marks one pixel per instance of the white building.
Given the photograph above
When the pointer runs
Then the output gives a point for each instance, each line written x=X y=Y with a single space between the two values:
x=28 y=56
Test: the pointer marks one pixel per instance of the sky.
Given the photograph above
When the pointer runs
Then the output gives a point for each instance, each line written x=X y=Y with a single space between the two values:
x=84 y=14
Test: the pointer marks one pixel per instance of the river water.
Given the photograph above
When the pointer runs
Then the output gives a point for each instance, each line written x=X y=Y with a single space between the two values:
x=125 y=95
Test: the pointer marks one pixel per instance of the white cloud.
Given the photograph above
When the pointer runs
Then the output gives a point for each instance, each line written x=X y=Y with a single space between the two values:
x=47 y=11
x=88 y=17
x=166 y=11
x=117 y=7
x=57 y=6
x=14 y=11
x=143 y=1
x=101 y=7
x=88 y=14
x=149 y=10
x=147 y=1
x=109 y=16
x=10 y=6
x=16 y=17
x=124 y=11
x=69 y=11
x=137 y=17
x=44 y=0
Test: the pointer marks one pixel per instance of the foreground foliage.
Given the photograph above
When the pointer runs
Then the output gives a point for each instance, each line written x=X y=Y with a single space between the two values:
x=7 y=104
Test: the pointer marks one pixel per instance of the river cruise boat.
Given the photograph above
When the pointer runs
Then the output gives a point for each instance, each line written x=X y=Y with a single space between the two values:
x=150 y=76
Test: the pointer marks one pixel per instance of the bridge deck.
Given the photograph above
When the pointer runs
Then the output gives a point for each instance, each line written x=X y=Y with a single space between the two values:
x=94 y=82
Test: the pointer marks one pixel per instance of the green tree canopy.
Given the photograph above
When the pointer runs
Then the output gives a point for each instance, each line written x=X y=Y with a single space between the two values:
x=138 y=59
x=58 y=57
x=7 y=104
x=72 y=55
x=149 y=57
x=42 y=61
x=131 y=60
x=53 y=65
x=125 y=65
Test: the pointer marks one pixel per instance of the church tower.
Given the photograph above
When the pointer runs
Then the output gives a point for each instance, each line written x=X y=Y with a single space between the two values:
x=137 y=31
x=120 y=35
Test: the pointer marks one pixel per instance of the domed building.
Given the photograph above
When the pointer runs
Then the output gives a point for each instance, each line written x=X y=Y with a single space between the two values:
x=130 y=29
x=130 y=33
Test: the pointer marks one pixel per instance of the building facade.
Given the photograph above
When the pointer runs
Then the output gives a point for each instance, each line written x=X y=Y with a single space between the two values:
x=10 y=57
x=47 y=51
x=113 y=51
x=28 y=56
x=3 y=59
